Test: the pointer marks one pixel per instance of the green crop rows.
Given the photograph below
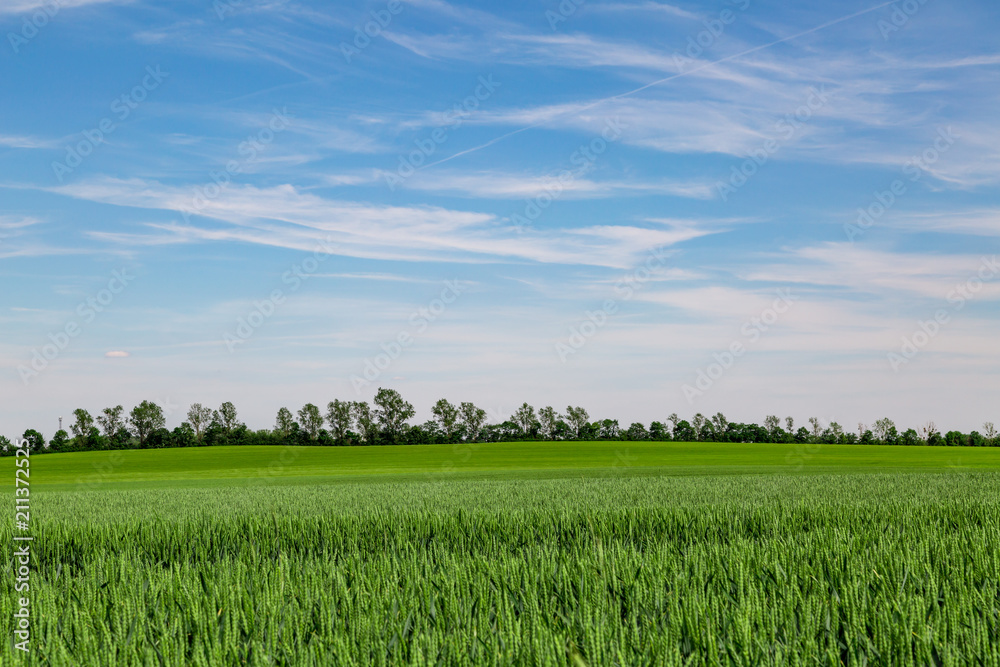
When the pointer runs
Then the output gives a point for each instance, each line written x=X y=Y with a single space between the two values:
x=822 y=569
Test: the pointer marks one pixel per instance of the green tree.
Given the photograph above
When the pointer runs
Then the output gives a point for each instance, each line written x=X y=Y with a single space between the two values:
x=367 y=427
x=338 y=415
x=285 y=422
x=146 y=418
x=720 y=425
x=636 y=431
x=955 y=439
x=577 y=419
x=609 y=430
x=111 y=421
x=773 y=425
x=392 y=413
x=311 y=420
x=838 y=432
x=473 y=419
x=95 y=441
x=199 y=417
x=674 y=421
x=447 y=416
x=885 y=431
x=60 y=442
x=548 y=418
x=683 y=431
x=183 y=436
x=698 y=424
x=36 y=441
x=82 y=424
x=929 y=431
x=524 y=417
x=990 y=433
x=226 y=417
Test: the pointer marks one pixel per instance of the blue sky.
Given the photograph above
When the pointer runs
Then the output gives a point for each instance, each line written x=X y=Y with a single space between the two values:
x=638 y=207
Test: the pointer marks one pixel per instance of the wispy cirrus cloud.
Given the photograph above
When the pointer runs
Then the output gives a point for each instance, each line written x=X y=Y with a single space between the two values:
x=974 y=222
x=24 y=141
x=283 y=216
x=23 y=6
x=503 y=185
x=871 y=118
x=631 y=7
x=12 y=222
x=871 y=271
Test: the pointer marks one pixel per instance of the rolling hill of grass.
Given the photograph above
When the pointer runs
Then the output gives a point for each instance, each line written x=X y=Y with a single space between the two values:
x=295 y=465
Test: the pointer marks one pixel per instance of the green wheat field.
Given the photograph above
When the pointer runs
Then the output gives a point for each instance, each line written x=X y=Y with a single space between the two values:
x=520 y=553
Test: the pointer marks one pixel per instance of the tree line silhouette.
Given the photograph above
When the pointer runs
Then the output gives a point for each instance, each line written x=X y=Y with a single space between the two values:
x=387 y=422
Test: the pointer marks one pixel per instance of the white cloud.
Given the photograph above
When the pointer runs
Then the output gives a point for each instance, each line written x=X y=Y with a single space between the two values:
x=378 y=277
x=22 y=6
x=733 y=104
x=867 y=271
x=24 y=141
x=11 y=222
x=629 y=7
x=503 y=185
x=282 y=216
x=977 y=222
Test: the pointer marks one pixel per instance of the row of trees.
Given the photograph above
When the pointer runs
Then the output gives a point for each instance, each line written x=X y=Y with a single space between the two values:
x=386 y=422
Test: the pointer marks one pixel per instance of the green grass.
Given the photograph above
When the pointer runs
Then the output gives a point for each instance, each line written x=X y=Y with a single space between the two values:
x=874 y=568
x=212 y=466
x=598 y=553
